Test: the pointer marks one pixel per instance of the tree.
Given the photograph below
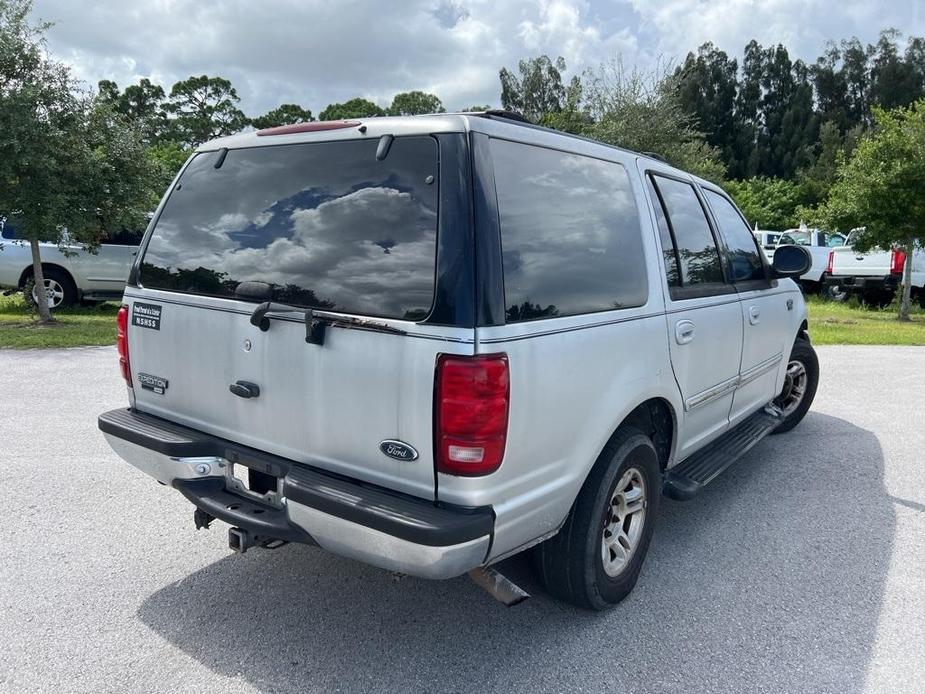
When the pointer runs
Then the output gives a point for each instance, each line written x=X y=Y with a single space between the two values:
x=354 y=108
x=475 y=109
x=539 y=90
x=894 y=80
x=286 y=114
x=880 y=189
x=143 y=104
x=707 y=85
x=642 y=112
x=769 y=203
x=69 y=162
x=414 y=104
x=204 y=108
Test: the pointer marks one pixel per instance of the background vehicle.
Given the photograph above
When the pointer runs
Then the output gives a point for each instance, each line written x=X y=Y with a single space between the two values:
x=429 y=343
x=818 y=243
x=767 y=240
x=72 y=273
x=873 y=276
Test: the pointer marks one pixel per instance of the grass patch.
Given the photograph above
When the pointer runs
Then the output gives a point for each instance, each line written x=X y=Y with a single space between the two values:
x=75 y=327
x=851 y=323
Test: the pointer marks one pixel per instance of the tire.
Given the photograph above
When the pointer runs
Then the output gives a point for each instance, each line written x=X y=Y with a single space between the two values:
x=803 y=364
x=571 y=565
x=60 y=283
x=833 y=292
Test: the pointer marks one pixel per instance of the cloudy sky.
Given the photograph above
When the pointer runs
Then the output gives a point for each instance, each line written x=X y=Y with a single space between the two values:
x=314 y=52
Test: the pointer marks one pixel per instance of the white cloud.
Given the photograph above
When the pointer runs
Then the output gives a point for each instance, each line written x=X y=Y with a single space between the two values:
x=314 y=52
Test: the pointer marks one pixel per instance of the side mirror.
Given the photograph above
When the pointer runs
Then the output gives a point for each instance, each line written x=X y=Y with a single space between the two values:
x=791 y=261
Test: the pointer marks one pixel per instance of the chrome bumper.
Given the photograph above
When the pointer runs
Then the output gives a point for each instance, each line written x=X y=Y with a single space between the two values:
x=342 y=531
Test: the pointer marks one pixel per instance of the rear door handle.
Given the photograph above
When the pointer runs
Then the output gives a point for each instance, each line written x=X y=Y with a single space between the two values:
x=753 y=315
x=683 y=332
x=245 y=389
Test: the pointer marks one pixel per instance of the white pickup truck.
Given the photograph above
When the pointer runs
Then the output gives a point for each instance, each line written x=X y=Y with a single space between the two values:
x=818 y=243
x=874 y=276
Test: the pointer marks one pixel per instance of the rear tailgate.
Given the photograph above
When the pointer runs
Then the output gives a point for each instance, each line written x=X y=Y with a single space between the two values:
x=322 y=225
x=846 y=262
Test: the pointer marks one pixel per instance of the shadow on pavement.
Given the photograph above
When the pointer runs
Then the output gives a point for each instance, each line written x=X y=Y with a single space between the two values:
x=770 y=580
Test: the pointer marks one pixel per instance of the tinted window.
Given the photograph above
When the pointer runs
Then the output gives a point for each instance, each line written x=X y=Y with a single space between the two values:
x=570 y=235
x=697 y=253
x=669 y=252
x=327 y=225
x=8 y=232
x=123 y=237
x=744 y=260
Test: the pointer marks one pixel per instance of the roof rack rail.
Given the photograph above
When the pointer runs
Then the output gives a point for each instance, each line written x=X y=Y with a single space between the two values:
x=657 y=157
x=507 y=115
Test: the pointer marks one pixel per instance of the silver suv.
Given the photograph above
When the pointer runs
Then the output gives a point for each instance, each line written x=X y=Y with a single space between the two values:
x=429 y=343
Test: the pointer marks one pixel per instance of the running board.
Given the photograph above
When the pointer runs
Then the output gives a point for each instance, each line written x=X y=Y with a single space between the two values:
x=688 y=477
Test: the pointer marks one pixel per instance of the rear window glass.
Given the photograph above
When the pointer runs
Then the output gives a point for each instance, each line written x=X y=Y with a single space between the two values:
x=325 y=224
x=570 y=234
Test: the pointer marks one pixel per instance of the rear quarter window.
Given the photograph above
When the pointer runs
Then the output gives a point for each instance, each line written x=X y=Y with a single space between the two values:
x=327 y=225
x=570 y=233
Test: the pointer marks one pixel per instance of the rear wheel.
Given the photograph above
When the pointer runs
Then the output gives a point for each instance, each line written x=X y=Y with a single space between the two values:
x=833 y=292
x=59 y=288
x=595 y=560
x=799 y=385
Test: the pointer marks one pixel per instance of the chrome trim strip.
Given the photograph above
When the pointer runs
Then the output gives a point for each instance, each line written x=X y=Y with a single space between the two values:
x=721 y=389
x=710 y=394
x=760 y=369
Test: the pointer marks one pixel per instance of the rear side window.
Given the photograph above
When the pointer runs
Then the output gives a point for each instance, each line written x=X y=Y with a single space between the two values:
x=325 y=224
x=744 y=260
x=570 y=235
x=697 y=253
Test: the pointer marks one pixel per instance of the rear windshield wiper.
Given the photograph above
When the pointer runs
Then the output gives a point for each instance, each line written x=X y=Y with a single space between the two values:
x=317 y=321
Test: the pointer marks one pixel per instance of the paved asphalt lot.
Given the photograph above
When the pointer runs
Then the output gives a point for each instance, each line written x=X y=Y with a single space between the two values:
x=801 y=570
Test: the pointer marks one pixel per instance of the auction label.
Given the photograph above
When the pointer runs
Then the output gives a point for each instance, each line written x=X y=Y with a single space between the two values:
x=146 y=315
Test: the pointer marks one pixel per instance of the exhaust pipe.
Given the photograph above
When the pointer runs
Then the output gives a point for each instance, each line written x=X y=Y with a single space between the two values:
x=499 y=586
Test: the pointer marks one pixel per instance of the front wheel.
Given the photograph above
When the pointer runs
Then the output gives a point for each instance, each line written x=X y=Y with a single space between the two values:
x=799 y=385
x=595 y=560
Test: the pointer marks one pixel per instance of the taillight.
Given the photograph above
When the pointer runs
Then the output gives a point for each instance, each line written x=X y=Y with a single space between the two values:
x=831 y=264
x=122 y=344
x=472 y=396
x=897 y=262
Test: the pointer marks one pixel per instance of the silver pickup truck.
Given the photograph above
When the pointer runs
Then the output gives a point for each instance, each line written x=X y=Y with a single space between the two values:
x=429 y=343
x=72 y=273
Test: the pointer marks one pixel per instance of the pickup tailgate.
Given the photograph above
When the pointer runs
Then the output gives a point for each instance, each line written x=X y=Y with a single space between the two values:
x=846 y=262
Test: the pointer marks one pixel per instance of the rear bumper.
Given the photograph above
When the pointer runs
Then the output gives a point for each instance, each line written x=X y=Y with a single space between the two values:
x=350 y=518
x=852 y=284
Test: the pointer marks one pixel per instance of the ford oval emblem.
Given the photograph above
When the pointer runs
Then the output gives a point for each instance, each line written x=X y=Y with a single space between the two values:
x=398 y=450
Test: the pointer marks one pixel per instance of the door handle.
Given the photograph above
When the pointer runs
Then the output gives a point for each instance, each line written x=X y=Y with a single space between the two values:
x=683 y=332
x=245 y=389
x=753 y=315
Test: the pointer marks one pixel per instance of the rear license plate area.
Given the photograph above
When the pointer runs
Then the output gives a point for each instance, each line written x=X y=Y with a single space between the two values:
x=256 y=484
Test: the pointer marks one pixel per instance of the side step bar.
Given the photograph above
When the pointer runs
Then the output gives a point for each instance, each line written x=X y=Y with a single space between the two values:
x=688 y=477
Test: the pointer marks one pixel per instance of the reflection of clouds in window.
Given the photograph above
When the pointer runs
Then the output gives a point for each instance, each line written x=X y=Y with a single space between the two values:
x=358 y=234
x=570 y=233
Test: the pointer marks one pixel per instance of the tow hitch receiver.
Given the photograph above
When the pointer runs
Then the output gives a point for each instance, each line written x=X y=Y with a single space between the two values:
x=240 y=540
x=499 y=586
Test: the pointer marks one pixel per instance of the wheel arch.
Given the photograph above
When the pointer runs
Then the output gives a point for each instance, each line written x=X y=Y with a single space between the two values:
x=657 y=418
x=27 y=273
